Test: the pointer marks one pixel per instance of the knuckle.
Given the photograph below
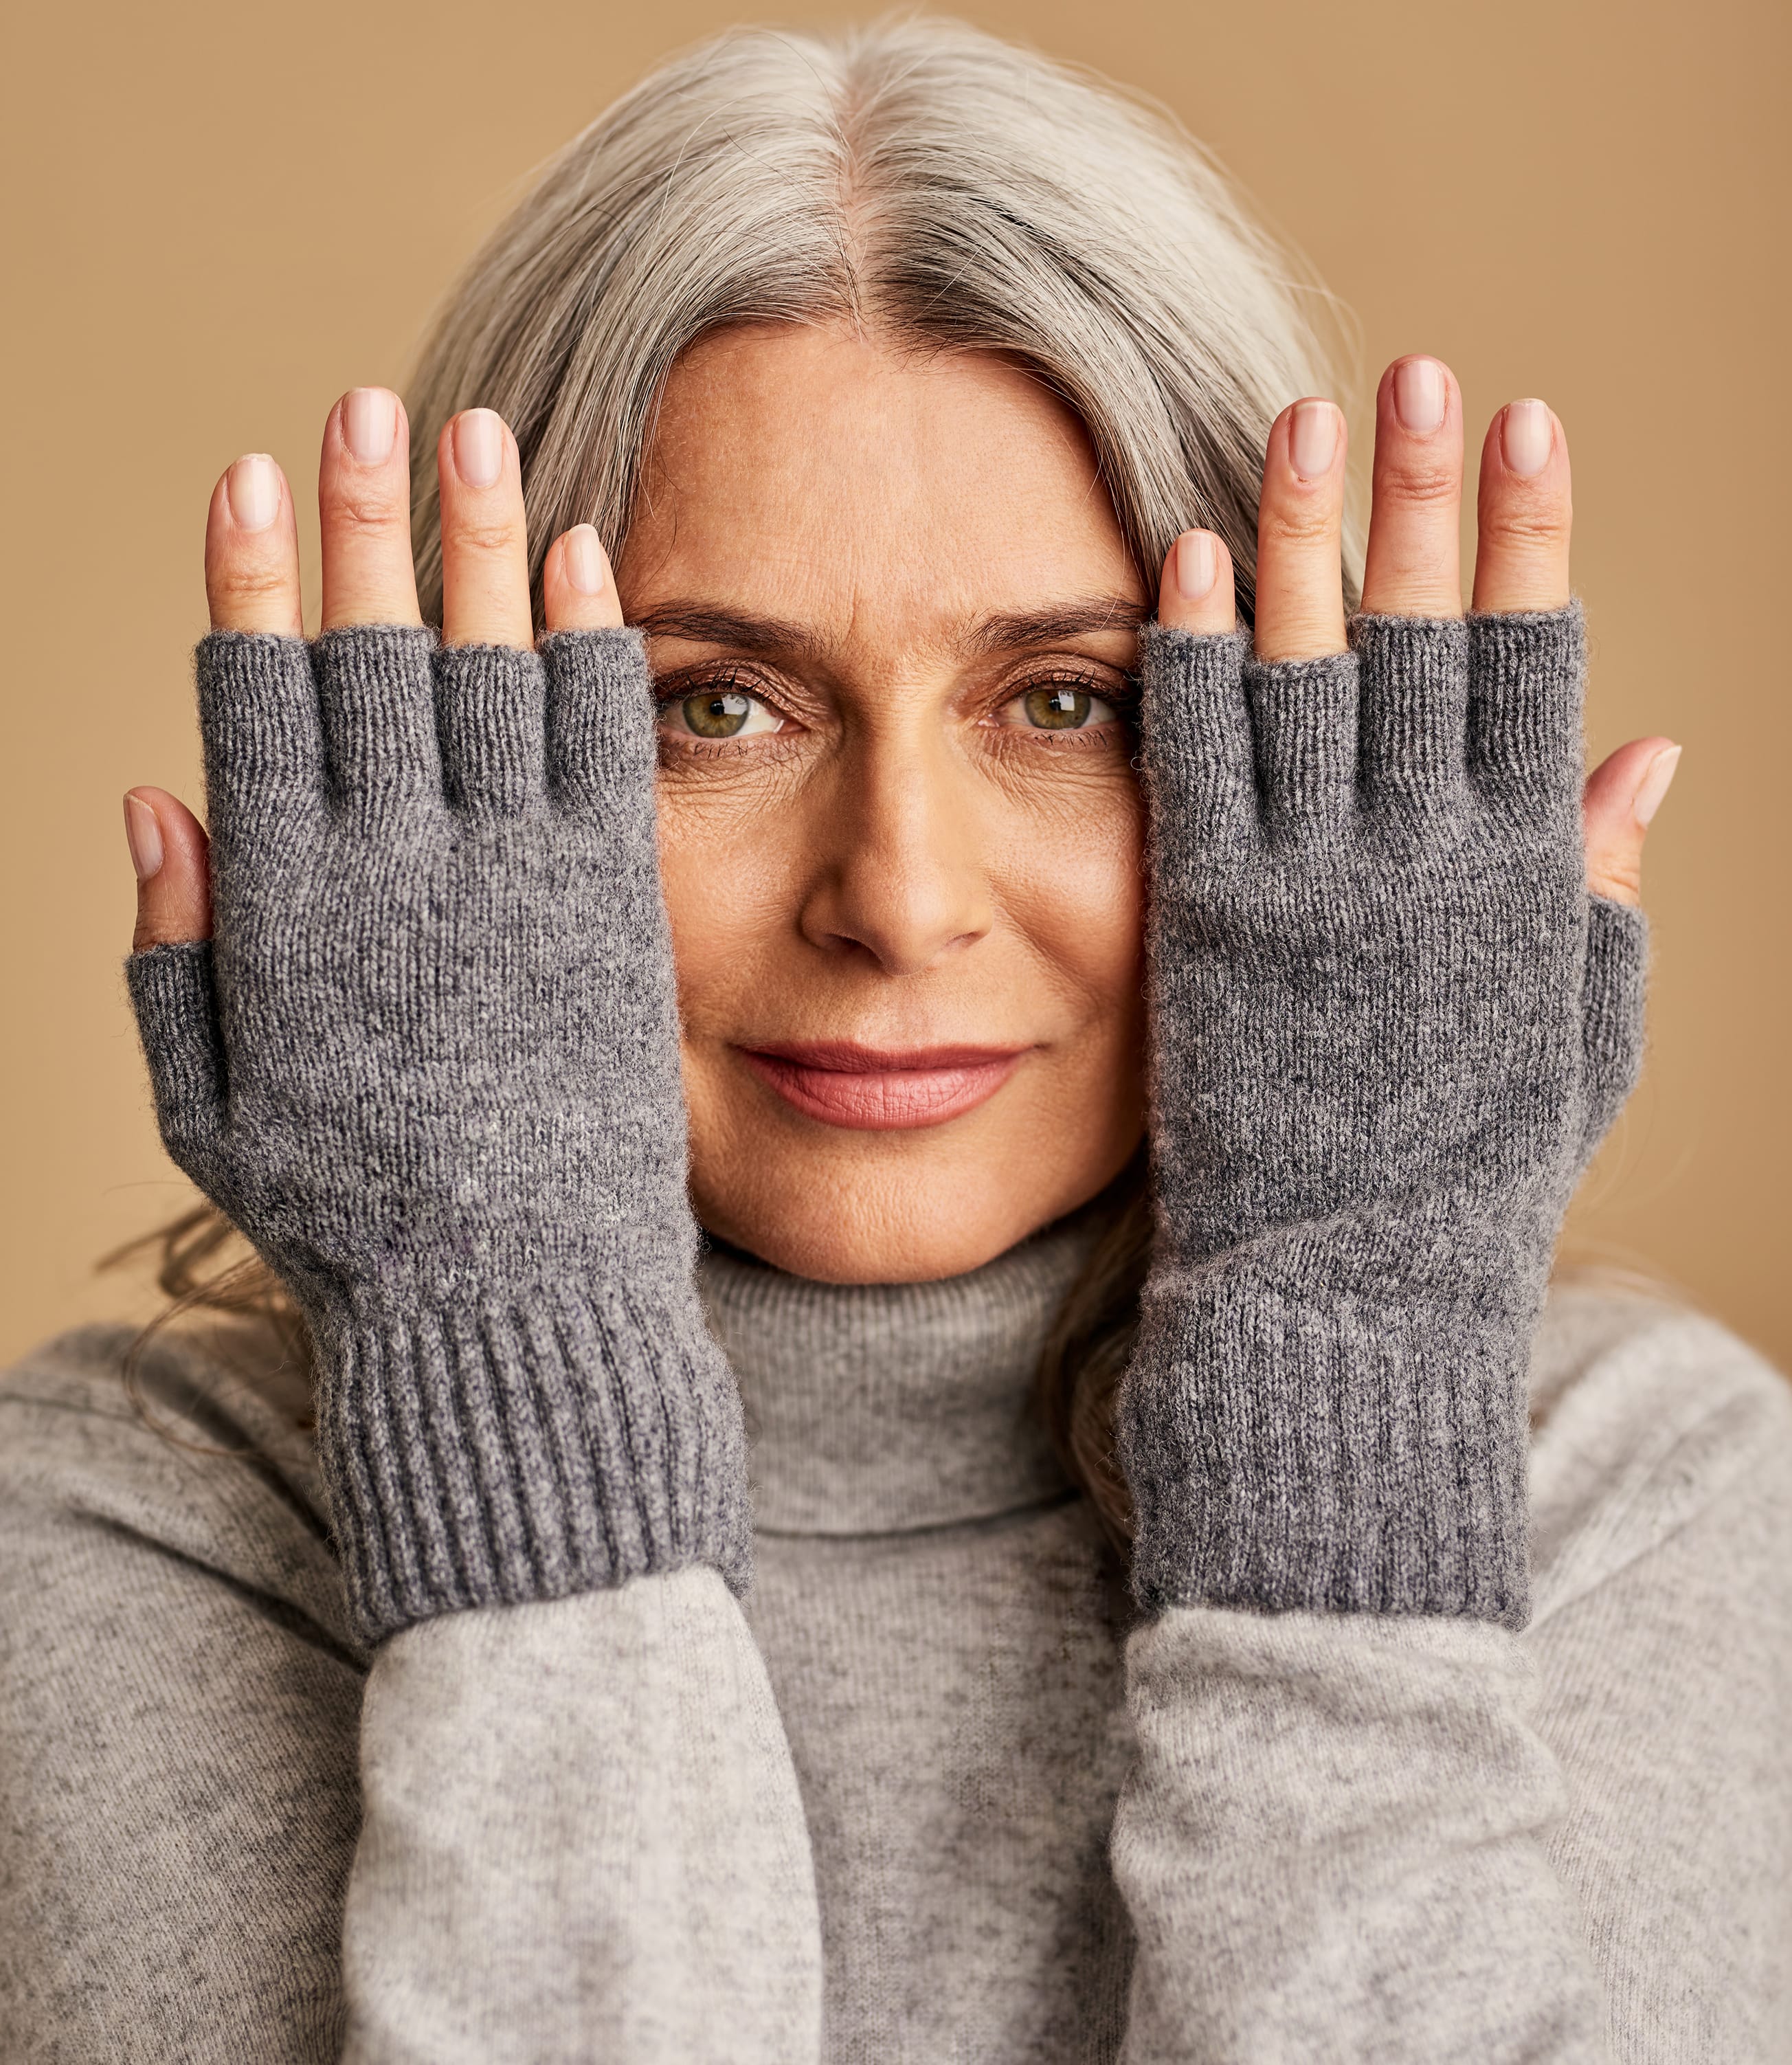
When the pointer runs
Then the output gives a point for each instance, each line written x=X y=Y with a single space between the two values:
x=491 y=538
x=366 y=513
x=253 y=580
x=1298 y=523
x=1419 y=485
x=1544 y=528
x=1620 y=880
x=1615 y=868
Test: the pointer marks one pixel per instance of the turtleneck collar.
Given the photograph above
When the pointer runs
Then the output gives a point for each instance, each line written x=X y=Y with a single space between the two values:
x=874 y=1408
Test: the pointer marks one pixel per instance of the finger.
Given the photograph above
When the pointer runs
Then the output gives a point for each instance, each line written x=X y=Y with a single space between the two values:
x=579 y=592
x=1300 y=583
x=1198 y=755
x=252 y=550
x=485 y=545
x=1525 y=511
x=1413 y=568
x=1196 y=591
x=170 y=855
x=364 y=511
x=1623 y=793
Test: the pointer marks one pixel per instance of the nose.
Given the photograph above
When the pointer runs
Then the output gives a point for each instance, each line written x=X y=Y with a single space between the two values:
x=899 y=873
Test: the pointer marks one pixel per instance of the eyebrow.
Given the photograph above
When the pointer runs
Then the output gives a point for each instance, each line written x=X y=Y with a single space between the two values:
x=1009 y=632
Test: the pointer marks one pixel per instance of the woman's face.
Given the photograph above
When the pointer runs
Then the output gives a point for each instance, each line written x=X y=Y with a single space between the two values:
x=892 y=617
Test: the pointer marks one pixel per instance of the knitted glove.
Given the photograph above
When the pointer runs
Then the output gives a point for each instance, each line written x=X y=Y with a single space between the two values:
x=1389 y=1026
x=429 y=1066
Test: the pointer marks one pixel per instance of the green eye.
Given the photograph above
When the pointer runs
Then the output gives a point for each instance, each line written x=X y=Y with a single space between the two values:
x=716 y=712
x=721 y=710
x=1059 y=707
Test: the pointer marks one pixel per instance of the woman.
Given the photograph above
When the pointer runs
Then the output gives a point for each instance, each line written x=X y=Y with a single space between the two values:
x=663 y=1647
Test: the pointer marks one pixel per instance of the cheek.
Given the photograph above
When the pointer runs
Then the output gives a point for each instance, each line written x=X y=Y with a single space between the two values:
x=1072 y=876
x=729 y=870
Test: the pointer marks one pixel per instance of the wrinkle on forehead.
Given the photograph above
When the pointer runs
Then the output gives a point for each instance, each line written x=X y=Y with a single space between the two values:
x=861 y=490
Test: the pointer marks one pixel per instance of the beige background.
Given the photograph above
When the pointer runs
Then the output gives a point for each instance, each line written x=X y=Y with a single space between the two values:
x=223 y=213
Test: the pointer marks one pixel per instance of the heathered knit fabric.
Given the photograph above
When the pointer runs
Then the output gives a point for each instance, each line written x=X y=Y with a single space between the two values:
x=1389 y=1025
x=430 y=1069
x=582 y=1839
x=927 y=1793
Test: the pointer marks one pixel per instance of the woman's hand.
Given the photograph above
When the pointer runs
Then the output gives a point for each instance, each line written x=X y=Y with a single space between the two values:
x=1393 y=1006
x=392 y=827
x=251 y=583
x=429 y=1064
x=1413 y=564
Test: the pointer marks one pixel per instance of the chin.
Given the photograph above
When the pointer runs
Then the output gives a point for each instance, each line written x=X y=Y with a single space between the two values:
x=898 y=1208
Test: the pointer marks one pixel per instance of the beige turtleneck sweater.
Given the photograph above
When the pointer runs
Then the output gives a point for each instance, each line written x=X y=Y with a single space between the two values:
x=933 y=1796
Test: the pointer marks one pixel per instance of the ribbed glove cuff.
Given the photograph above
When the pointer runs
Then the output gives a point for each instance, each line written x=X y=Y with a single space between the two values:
x=1373 y=1461
x=497 y=1453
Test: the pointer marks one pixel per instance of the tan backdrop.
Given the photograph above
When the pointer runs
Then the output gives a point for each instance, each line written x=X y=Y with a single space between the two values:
x=225 y=213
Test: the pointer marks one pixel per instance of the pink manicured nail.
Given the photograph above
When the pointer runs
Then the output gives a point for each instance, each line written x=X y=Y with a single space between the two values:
x=478 y=447
x=144 y=836
x=585 y=563
x=1527 y=437
x=1312 y=438
x=1653 y=786
x=1197 y=565
x=370 y=423
x=1420 y=396
x=252 y=486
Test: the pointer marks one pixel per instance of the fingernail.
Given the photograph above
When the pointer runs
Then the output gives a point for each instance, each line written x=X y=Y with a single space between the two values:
x=585 y=562
x=1526 y=437
x=1653 y=786
x=478 y=447
x=1419 y=396
x=1312 y=438
x=370 y=423
x=1197 y=565
x=144 y=836
x=253 y=489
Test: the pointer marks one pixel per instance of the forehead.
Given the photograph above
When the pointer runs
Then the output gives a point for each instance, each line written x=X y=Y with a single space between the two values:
x=838 y=479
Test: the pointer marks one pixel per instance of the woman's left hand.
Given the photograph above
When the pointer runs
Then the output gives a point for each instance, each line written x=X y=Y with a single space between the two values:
x=1413 y=569
x=1396 y=998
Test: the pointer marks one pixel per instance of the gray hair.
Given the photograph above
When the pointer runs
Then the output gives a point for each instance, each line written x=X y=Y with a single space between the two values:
x=926 y=181
x=917 y=177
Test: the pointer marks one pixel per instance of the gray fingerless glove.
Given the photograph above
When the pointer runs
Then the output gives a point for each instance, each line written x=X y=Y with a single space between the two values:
x=429 y=1067
x=1389 y=1026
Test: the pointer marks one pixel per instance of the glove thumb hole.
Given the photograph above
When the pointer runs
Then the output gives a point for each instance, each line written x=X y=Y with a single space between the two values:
x=1612 y=1021
x=177 y=1021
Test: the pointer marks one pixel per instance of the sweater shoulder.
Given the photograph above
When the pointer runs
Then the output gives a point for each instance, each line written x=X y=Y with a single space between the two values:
x=196 y=1442
x=1646 y=1415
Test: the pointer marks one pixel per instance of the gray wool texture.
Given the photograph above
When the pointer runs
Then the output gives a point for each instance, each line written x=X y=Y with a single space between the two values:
x=429 y=1068
x=542 y=1784
x=1389 y=1026
x=1040 y=1834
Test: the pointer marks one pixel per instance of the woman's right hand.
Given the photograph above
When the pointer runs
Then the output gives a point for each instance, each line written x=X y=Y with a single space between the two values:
x=251 y=583
x=428 y=1063
x=431 y=1057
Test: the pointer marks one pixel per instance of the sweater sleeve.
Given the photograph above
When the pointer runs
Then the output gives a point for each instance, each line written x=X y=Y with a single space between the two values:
x=428 y=1066
x=576 y=1834
x=1363 y=1837
x=1335 y=1843
x=582 y=1839
x=1389 y=1026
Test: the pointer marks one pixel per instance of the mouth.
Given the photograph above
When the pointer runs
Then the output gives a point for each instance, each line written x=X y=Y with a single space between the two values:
x=872 y=1090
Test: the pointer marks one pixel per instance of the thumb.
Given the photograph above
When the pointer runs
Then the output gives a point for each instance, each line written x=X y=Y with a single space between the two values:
x=1623 y=793
x=171 y=855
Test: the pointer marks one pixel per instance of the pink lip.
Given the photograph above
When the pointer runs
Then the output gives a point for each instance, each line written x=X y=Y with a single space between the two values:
x=882 y=1090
